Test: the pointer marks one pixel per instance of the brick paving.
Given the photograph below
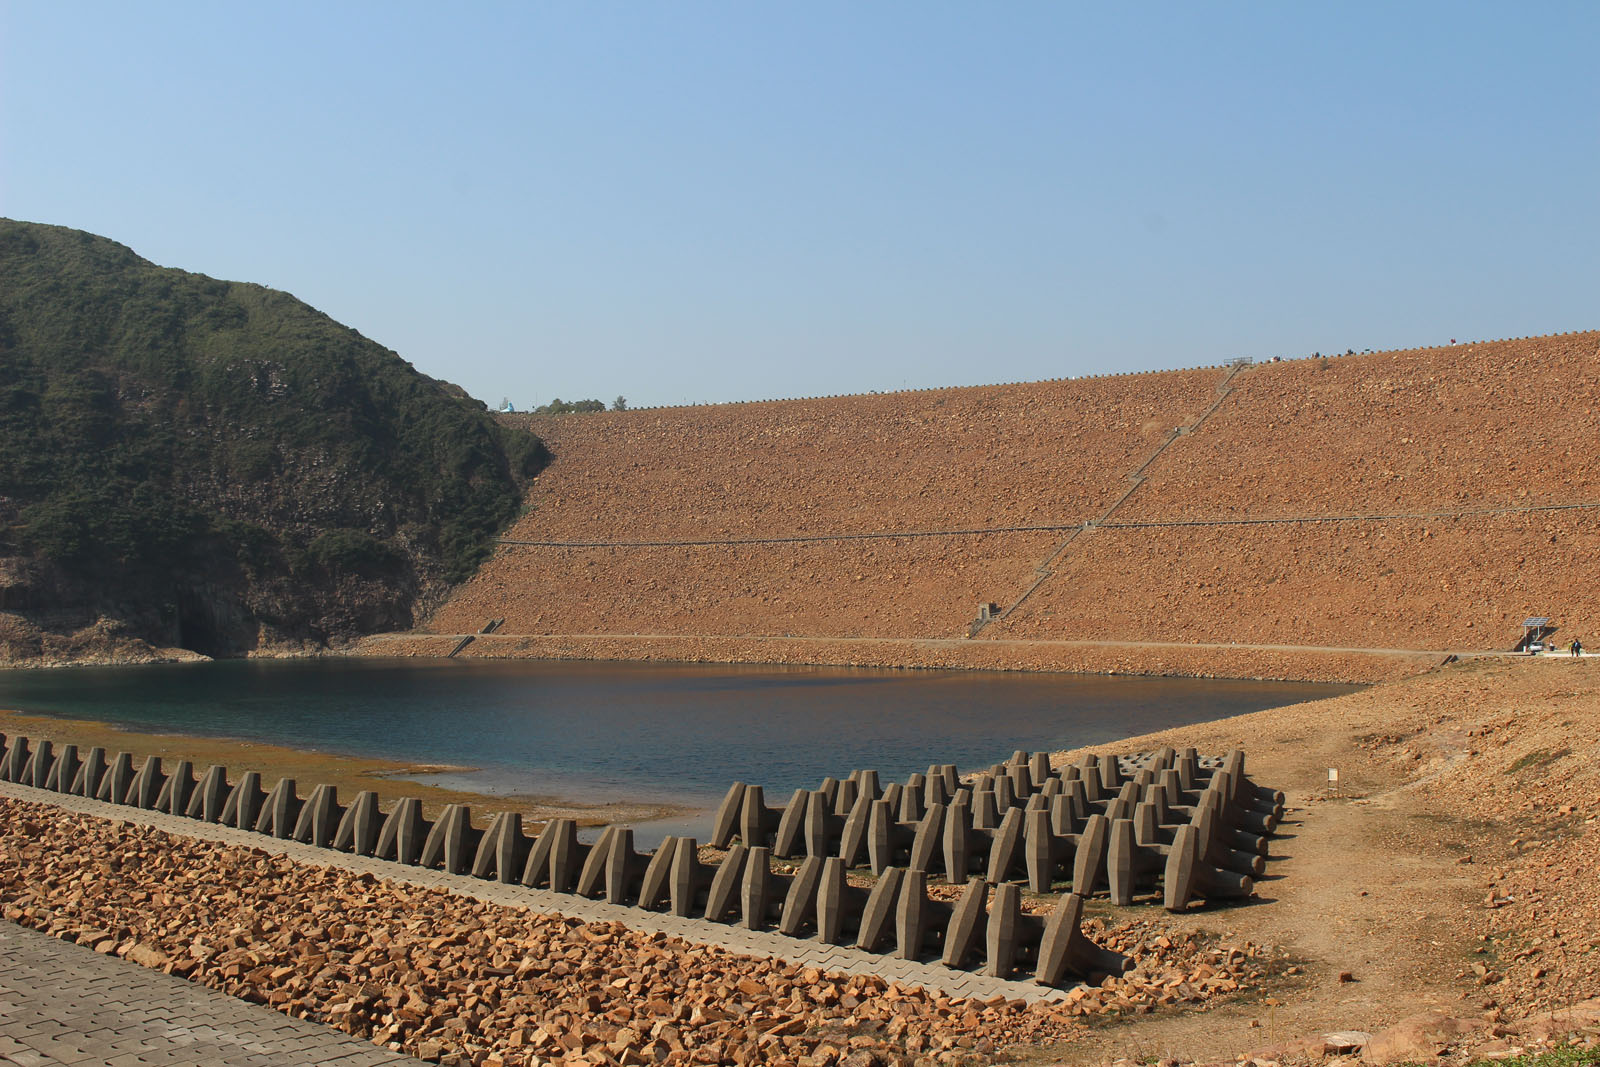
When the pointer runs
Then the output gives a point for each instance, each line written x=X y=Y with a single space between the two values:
x=63 y=1004
x=75 y=1019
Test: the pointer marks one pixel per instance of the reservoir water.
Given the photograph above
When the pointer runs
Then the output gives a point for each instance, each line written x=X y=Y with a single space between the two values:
x=668 y=732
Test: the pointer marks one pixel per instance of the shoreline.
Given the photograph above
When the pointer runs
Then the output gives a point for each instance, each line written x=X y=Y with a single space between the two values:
x=1162 y=659
x=309 y=768
x=1264 y=663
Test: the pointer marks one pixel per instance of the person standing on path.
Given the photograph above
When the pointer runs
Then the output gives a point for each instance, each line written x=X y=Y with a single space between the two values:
x=1576 y=647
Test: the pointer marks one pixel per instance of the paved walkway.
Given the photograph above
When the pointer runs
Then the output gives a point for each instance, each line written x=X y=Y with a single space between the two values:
x=65 y=1004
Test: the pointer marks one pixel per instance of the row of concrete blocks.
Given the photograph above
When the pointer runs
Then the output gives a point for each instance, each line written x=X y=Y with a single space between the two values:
x=1025 y=774
x=990 y=793
x=894 y=916
x=1110 y=841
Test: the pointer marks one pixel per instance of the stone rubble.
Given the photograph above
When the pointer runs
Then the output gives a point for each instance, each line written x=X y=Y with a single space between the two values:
x=463 y=982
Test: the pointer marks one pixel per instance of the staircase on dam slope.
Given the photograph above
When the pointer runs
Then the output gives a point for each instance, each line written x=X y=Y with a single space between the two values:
x=1135 y=478
x=493 y=625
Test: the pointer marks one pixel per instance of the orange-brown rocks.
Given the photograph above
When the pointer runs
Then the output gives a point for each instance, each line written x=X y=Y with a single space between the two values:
x=1425 y=500
x=462 y=980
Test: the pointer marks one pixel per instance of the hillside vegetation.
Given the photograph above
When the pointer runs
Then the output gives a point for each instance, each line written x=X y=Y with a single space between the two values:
x=217 y=466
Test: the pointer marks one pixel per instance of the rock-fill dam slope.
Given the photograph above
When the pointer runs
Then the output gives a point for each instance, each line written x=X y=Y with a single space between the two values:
x=1274 y=519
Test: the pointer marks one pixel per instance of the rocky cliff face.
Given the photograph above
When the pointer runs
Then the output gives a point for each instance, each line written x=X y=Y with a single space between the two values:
x=210 y=466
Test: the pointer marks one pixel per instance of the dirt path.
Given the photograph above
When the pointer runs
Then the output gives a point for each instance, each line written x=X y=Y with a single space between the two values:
x=1386 y=878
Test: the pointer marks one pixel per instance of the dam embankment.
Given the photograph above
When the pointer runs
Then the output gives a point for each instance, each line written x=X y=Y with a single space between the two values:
x=1353 y=518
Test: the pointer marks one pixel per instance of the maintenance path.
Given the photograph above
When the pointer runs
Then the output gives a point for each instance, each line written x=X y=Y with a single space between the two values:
x=962 y=642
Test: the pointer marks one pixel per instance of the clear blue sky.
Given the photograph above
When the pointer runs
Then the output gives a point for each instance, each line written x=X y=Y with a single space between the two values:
x=700 y=202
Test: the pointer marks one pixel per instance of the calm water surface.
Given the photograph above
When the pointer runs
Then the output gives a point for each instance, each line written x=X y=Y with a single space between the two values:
x=596 y=731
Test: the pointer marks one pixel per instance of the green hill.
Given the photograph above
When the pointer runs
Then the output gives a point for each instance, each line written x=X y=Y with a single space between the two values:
x=216 y=465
